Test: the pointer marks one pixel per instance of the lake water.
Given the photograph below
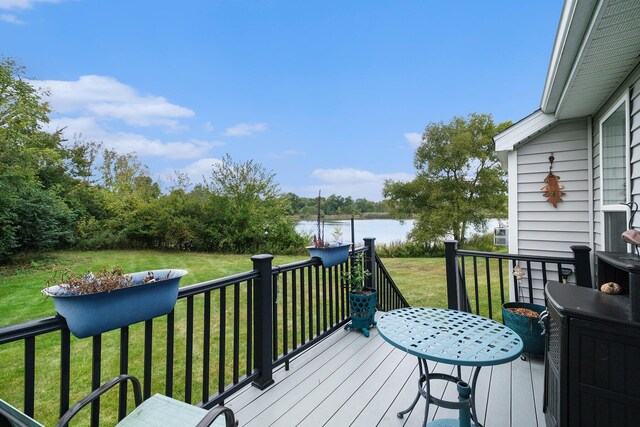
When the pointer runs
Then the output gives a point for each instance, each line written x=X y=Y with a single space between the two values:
x=384 y=230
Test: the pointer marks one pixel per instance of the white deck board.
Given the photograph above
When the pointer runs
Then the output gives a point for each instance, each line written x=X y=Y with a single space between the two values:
x=350 y=380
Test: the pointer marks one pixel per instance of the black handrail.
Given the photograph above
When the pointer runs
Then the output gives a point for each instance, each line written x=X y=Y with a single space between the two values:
x=536 y=271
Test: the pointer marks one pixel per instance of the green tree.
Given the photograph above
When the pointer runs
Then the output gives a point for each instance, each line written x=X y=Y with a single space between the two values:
x=250 y=211
x=459 y=181
x=33 y=170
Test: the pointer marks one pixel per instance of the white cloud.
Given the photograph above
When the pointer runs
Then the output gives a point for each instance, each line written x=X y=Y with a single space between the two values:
x=11 y=19
x=105 y=97
x=126 y=142
x=197 y=170
x=414 y=139
x=208 y=127
x=23 y=4
x=352 y=182
x=245 y=129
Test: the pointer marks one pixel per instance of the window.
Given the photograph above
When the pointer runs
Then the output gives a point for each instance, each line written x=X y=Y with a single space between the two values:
x=614 y=180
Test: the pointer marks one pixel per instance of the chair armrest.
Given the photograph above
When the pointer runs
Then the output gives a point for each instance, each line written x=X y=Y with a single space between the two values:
x=137 y=394
x=213 y=414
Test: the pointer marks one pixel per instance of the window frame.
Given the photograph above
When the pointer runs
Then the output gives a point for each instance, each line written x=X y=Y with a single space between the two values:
x=604 y=209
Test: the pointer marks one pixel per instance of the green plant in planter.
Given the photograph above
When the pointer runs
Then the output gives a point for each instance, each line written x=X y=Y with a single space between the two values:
x=362 y=300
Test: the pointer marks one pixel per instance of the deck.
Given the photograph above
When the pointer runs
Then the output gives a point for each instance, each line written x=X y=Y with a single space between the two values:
x=350 y=380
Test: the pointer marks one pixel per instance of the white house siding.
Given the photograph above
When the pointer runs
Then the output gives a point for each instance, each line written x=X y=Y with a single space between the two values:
x=543 y=229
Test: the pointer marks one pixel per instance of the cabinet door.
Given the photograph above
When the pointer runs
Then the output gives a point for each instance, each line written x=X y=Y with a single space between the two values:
x=604 y=373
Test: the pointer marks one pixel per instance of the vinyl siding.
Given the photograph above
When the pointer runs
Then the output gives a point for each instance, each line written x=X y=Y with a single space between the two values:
x=543 y=229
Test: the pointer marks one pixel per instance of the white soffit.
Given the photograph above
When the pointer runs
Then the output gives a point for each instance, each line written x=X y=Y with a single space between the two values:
x=523 y=130
x=609 y=50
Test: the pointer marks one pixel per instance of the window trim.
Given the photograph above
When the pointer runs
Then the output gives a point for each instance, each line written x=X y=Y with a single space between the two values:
x=624 y=100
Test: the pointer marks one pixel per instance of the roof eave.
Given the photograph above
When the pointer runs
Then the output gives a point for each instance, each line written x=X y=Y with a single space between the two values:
x=523 y=130
x=574 y=21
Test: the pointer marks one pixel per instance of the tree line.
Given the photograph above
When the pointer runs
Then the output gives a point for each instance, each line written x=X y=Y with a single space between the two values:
x=57 y=194
x=306 y=207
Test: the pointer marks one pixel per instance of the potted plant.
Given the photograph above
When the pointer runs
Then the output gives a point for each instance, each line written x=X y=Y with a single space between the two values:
x=362 y=300
x=524 y=319
x=107 y=300
x=329 y=253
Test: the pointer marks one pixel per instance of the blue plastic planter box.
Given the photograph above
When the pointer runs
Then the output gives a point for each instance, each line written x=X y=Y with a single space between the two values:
x=332 y=255
x=92 y=314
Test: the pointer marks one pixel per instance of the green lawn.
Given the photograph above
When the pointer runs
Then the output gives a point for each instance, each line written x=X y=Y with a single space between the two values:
x=422 y=281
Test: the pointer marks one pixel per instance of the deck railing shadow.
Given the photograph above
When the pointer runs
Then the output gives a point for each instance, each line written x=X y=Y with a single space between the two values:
x=222 y=335
x=480 y=282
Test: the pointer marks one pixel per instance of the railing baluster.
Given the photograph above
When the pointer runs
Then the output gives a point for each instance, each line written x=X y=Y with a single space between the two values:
x=250 y=328
x=285 y=317
x=331 y=295
x=274 y=317
x=294 y=308
x=168 y=388
x=29 y=374
x=188 y=369
x=475 y=284
x=336 y=293
x=324 y=300
x=65 y=369
x=317 y=270
x=95 y=378
x=206 y=345
x=501 y=275
x=530 y=281
x=124 y=369
x=310 y=299
x=488 y=273
x=560 y=273
x=148 y=357
x=302 y=308
x=223 y=340
x=544 y=273
x=236 y=333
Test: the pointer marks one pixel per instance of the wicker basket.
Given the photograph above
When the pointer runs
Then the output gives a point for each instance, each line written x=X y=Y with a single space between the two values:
x=526 y=327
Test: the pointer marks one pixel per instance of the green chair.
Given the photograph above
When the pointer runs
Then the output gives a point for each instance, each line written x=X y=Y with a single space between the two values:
x=158 y=410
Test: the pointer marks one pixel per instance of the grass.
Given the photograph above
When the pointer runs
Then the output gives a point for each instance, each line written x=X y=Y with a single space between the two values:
x=422 y=281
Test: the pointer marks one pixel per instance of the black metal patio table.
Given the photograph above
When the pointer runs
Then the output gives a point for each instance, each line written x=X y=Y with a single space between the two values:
x=451 y=337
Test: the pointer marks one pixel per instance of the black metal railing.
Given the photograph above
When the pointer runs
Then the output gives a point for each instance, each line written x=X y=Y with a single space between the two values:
x=221 y=336
x=479 y=282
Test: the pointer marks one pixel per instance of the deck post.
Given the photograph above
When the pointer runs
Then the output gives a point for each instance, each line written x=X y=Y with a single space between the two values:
x=263 y=329
x=583 y=265
x=370 y=261
x=450 y=249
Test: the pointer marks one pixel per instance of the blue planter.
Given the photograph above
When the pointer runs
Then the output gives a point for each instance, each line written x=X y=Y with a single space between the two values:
x=363 y=310
x=92 y=314
x=332 y=255
x=527 y=328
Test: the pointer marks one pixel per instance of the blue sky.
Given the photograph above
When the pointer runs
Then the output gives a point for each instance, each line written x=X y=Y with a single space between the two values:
x=329 y=95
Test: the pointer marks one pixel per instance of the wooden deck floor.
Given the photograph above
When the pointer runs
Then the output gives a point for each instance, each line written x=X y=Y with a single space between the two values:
x=350 y=380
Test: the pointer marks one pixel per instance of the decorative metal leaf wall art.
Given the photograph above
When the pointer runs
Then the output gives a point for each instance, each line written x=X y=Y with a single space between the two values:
x=553 y=190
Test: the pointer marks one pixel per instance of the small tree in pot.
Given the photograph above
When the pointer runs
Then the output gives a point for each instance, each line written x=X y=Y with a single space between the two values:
x=362 y=300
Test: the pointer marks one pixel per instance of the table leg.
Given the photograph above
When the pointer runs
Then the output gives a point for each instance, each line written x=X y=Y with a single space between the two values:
x=422 y=391
x=474 y=414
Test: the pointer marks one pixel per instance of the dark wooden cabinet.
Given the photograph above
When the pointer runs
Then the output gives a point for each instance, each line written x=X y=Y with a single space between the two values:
x=592 y=364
